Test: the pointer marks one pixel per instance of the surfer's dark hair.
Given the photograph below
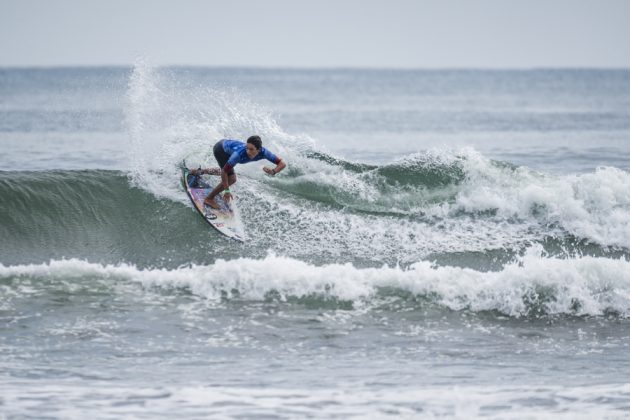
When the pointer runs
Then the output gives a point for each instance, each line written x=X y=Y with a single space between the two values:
x=256 y=141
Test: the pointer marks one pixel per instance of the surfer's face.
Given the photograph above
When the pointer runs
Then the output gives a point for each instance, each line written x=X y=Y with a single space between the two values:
x=251 y=151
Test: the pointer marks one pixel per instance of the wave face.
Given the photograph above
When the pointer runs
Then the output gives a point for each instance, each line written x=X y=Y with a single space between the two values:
x=453 y=208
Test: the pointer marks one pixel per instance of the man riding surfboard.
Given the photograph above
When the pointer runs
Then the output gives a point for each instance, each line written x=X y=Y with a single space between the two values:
x=228 y=154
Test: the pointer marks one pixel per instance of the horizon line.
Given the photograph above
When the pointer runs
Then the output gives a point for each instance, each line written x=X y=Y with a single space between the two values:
x=323 y=68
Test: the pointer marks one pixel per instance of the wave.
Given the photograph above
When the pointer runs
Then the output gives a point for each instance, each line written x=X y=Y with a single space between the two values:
x=169 y=120
x=96 y=215
x=461 y=205
x=533 y=285
x=434 y=202
x=465 y=186
x=456 y=207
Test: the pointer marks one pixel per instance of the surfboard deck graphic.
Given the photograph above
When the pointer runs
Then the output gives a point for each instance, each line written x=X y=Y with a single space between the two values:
x=225 y=219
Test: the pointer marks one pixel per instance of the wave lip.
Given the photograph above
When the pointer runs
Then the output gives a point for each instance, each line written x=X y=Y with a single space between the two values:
x=531 y=286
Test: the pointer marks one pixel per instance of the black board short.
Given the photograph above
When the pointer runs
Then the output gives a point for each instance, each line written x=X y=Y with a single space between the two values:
x=221 y=156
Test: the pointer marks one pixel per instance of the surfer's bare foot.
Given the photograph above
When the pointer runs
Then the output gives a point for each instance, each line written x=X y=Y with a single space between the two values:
x=211 y=203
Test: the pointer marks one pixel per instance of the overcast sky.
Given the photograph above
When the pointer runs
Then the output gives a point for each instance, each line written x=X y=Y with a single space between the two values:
x=322 y=33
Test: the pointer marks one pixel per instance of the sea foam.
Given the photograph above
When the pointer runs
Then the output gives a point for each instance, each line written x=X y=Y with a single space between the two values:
x=532 y=284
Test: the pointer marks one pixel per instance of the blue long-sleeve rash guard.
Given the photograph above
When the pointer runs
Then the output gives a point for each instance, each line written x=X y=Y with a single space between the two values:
x=237 y=151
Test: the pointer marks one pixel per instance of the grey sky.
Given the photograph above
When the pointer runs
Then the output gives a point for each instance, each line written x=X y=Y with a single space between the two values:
x=323 y=33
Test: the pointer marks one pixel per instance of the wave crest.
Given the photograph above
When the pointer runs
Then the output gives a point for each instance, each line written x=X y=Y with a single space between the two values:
x=531 y=286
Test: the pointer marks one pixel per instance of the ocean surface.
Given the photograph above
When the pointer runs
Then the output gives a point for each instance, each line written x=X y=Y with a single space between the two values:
x=443 y=243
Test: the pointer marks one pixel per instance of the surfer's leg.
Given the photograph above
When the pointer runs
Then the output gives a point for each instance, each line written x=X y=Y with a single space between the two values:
x=209 y=201
x=217 y=190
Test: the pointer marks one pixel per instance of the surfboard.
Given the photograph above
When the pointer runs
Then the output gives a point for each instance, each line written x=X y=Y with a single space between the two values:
x=226 y=219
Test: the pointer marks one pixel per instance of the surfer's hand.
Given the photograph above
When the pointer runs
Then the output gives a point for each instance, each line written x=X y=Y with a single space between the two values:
x=227 y=197
x=268 y=170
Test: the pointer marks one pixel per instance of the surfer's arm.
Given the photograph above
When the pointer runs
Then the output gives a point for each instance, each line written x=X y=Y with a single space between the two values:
x=280 y=165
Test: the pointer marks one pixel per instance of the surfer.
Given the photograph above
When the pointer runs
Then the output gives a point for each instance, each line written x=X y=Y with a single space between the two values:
x=228 y=153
